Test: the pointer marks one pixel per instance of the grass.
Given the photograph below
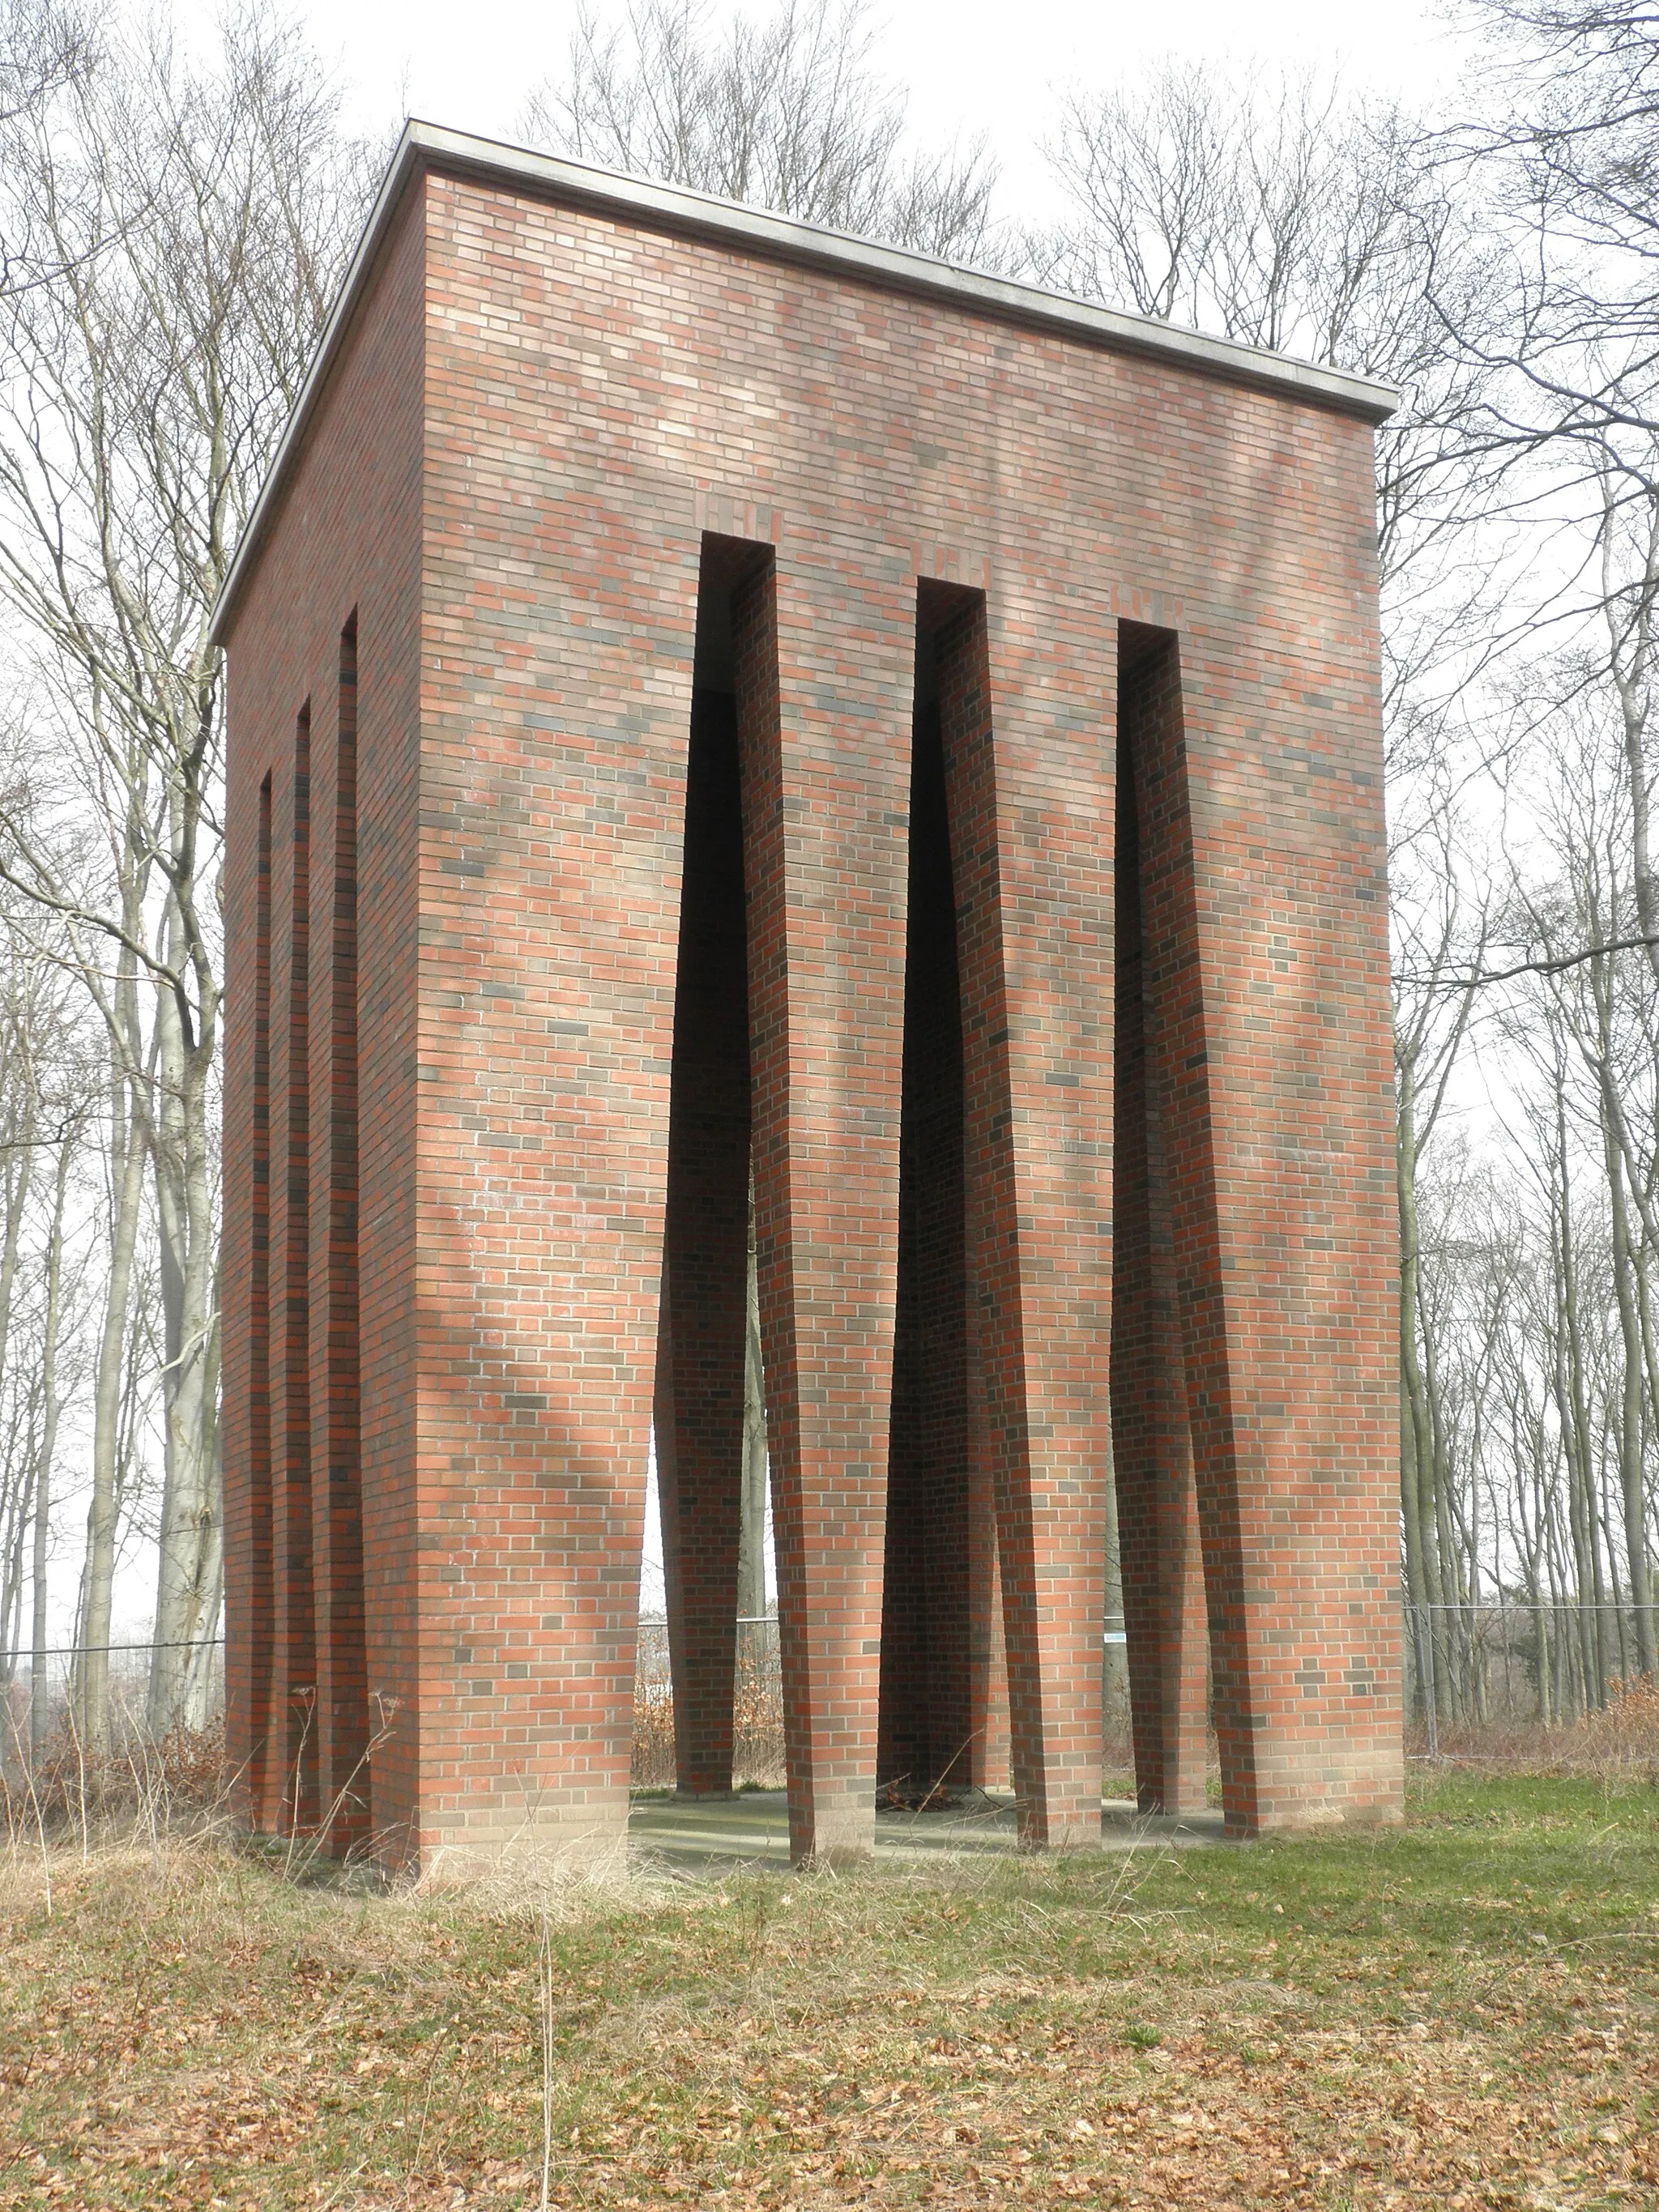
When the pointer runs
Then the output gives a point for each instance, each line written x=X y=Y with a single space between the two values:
x=1463 y=2012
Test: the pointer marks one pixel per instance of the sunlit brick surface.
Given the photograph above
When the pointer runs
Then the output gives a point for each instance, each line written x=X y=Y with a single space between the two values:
x=544 y=412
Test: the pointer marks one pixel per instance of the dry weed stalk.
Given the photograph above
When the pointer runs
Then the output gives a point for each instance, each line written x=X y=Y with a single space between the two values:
x=544 y=1963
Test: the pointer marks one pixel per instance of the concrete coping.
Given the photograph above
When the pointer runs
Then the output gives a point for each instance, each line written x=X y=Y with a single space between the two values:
x=673 y=208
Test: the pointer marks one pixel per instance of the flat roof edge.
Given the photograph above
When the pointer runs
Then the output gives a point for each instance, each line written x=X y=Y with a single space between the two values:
x=428 y=145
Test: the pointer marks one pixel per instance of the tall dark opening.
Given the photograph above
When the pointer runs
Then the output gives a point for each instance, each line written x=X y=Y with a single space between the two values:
x=700 y=1427
x=261 y=1622
x=928 y=1730
x=298 y=1620
x=1133 y=1343
x=1158 y=1548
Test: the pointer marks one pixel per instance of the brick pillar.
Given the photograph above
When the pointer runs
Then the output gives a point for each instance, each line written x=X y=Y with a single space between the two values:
x=391 y=1233
x=249 y=1596
x=1030 y=810
x=289 y=1795
x=700 y=1392
x=824 y=660
x=551 y=797
x=1265 y=956
x=902 y=1746
x=341 y=1720
x=1152 y=1453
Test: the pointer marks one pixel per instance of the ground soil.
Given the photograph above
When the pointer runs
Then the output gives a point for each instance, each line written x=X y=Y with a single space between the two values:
x=1464 y=2012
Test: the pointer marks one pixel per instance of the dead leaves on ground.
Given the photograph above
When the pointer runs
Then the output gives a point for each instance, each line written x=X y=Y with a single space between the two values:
x=202 y=2036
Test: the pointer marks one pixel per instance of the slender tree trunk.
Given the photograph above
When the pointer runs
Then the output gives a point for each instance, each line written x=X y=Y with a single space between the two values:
x=1631 y=1472
x=17 y=1171
x=1642 y=1272
x=1629 y=661
x=17 y=1505
x=201 y=1657
x=1417 y=1454
x=18 y=1175
x=187 y=1578
x=103 y=1513
x=1582 y=1518
x=40 y=1689
x=1451 y=1659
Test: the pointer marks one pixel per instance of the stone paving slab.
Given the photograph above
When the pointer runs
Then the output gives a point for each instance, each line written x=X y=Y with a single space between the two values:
x=717 y=1835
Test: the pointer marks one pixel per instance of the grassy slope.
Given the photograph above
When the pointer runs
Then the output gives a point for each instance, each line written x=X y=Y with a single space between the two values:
x=1463 y=2013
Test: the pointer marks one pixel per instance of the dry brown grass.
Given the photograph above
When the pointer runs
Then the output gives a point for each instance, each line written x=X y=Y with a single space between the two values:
x=1464 y=2013
x=1618 y=1745
x=140 y=1788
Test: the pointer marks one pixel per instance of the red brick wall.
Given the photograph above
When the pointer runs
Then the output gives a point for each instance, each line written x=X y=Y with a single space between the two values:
x=822 y=724
x=347 y=536
x=597 y=398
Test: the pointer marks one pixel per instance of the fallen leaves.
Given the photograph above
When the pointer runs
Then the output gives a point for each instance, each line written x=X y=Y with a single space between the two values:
x=208 y=2038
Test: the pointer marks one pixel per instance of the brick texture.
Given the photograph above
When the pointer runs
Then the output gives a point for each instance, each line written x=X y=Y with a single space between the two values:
x=940 y=546
x=349 y=536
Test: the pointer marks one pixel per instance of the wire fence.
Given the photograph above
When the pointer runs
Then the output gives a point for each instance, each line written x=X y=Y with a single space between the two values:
x=1469 y=1668
x=757 y=1705
x=58 y=1669
x=1501 y=1663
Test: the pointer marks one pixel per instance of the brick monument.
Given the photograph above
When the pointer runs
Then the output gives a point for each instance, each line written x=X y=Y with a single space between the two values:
x=710 y=697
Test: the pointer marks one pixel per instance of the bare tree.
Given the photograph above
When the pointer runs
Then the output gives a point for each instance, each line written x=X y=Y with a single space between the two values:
x=52 y=1407
x=45 y=1127
x=1604 y=1010
x=45 y=46
x=1438 y=932
x=19 y=1154
x=1565 y=140
x=1280 y=212
x=199 y=216
x=789 y=113
x=1563 y=147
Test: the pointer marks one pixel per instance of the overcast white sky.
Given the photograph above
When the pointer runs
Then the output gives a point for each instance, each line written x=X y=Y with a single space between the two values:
x=970 y=64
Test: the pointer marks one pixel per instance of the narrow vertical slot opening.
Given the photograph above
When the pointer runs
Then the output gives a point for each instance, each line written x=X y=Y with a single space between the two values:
x=932 y=1718
x=1159 y=1554
x=300 y=1672
x=708 y=1364
x=261 y=1593
x=1133 y=1347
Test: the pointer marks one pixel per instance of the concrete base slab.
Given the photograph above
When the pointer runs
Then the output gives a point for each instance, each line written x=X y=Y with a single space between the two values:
x=714 y=1836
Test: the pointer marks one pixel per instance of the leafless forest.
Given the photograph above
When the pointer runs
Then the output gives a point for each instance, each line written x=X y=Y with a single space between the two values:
x=174 y=223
